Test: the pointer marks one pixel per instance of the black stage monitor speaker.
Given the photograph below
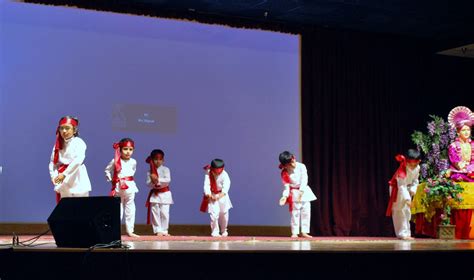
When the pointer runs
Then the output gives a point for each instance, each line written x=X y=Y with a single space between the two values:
x=82 y=222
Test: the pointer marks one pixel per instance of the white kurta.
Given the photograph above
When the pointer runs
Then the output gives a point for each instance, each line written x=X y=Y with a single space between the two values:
x=164 y=179
x=401 y=213
x=302 y=197
x=160 y=202
x=127 y=197
x=219 y=210
x=76 y=181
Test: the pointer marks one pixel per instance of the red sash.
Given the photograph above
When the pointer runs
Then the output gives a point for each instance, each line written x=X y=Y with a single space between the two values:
x=205 y=200
x=393 y=196
x=289 y=199
x=402 y=173
x=123 y=185
x=148 y=204
x=61 y=169
x=285 y=178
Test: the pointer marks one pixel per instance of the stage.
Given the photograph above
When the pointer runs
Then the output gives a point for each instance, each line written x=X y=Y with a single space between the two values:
x=247 y=257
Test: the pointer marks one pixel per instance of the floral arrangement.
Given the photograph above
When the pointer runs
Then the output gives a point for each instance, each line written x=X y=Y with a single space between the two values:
x=434 y=145
x=441 y=193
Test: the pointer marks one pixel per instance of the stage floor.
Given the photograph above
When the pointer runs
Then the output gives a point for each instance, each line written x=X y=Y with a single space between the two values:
x=147 y=243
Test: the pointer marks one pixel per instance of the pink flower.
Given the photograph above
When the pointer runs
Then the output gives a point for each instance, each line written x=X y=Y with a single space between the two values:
x=442 y=216
x=459 y=195
x=449 y=197
x=426 y=190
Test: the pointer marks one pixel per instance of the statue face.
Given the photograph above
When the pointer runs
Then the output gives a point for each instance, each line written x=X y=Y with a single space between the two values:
x=465 y=132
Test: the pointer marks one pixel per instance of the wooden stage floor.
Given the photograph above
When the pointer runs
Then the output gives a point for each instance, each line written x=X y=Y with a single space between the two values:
x=258 y=243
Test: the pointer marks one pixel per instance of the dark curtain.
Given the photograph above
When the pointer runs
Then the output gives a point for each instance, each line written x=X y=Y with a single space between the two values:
x=362 y=97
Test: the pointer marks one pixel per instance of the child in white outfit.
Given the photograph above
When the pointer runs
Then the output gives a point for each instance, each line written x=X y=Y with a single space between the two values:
x=297 y=194
x=216 y=199
x=119 y=172
x=159 y=199
x=402 y=187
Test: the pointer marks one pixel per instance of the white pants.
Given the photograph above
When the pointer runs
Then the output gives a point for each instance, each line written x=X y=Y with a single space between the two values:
x=219 y=219
x=127 y=205
x=160 y=217
x=401 y=213
x=301 y=214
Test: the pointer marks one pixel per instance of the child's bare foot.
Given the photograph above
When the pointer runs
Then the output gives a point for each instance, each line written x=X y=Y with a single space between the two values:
x=294 y=236
x=305 y=235
x=159 y=234
x=407 y=238
x=131 y=234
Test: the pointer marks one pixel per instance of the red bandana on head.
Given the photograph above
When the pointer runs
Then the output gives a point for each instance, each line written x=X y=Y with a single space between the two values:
x=153 y=168
x=117 y=162
x=59 y=140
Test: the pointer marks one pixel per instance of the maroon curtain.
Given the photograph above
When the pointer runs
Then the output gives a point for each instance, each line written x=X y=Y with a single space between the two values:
x=362 y=97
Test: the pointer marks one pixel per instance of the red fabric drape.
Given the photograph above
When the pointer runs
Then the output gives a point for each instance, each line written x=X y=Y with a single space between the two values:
x=461 y=218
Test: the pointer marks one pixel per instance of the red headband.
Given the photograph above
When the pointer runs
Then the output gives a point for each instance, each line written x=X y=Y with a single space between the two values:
x=70 y=121
x=58 y=145
x=401 y=171
x=125 y=144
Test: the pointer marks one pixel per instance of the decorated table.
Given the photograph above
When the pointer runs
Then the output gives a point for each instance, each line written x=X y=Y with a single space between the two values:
x=460 y=216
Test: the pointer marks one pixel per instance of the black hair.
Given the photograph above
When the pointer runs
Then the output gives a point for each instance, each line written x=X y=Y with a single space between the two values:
x=285 y=157
x=76 y=132
x=413 y=154
x=123 y=140
x=157 y=152
x=217 y=163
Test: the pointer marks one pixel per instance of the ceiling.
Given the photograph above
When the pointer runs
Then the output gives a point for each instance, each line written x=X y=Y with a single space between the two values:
x=448 y=23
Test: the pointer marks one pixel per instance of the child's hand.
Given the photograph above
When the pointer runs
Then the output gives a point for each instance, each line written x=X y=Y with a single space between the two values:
x=282 y=200
x=300 y=195
x=59 y=179
x=154 y=179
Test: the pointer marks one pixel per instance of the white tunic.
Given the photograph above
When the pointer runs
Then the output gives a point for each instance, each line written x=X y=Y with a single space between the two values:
x=299 y=180
x=406 y=187
x=76 y=179
x=223 y=185
x=164 y=179
x=128 y=169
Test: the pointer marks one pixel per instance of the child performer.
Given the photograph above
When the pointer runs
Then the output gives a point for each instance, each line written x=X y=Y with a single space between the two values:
x=119 y=172
x=402 y=188
x=66 y=168
x=297 y=194
x=216 y=199
x=160 y=198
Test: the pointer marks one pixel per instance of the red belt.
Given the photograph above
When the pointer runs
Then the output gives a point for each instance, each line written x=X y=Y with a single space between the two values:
x=148 y=204
x=122 y=185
